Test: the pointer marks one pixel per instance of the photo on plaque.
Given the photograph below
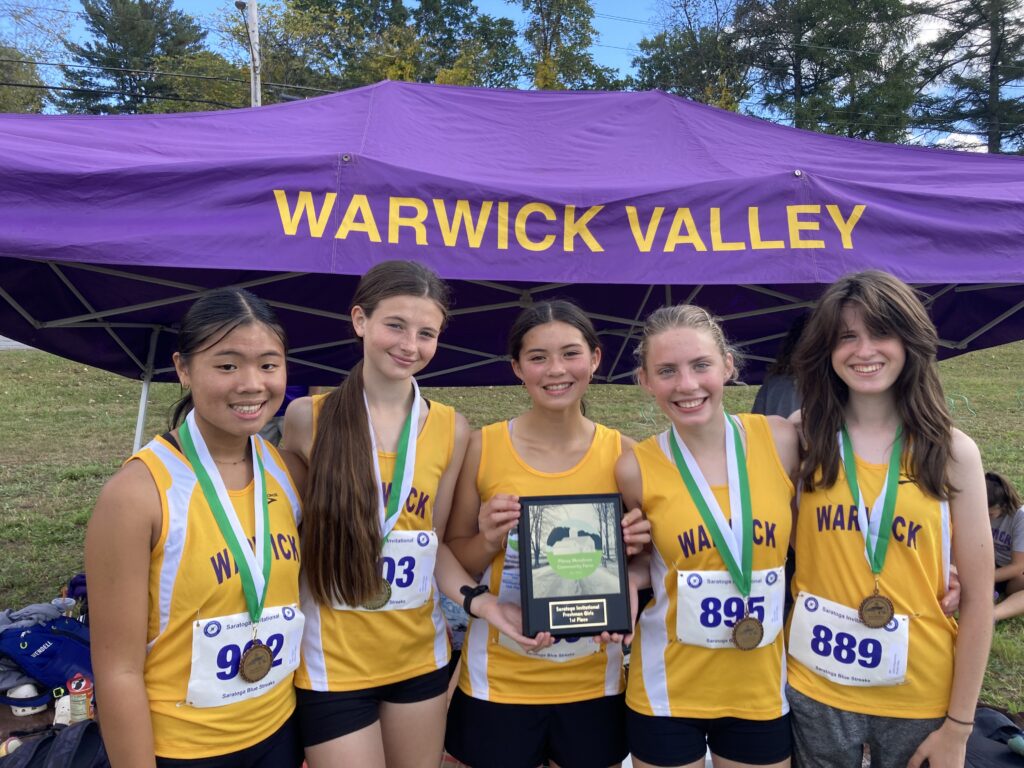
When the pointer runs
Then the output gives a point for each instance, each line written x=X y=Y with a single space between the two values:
x=572 y=565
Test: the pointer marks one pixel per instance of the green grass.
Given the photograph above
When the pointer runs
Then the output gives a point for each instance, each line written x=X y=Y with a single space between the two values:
x=66 y=427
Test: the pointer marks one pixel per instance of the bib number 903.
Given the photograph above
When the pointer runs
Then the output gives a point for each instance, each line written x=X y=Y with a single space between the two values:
x=714 y=611
x=844 y=648
x=401 y=573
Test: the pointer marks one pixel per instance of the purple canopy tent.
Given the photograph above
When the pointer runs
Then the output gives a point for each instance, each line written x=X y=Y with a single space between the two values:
x=109 y=226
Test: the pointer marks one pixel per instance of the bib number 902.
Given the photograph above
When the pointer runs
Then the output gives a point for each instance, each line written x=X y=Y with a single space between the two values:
x=230 y=656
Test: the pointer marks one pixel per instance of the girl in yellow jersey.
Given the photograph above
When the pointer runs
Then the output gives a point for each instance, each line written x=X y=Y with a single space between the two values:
x=891 y=492
x=708 y=661
x=193 y=560
x=382 y=464
x=561 y=702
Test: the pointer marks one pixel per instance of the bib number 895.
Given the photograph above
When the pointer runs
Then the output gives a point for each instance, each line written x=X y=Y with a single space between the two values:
x=714 y=611
x=844 y=648
x=230 y=656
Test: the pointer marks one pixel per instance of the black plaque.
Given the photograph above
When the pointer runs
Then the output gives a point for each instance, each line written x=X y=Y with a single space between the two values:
x=572 y=565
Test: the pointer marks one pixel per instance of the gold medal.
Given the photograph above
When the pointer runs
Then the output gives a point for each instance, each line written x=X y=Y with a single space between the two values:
x=256 y=662
x=748 y=633
x=876 y=611
x=379 y=600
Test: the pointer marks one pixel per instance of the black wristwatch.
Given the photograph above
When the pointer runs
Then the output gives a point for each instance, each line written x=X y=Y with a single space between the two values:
x=468 y=594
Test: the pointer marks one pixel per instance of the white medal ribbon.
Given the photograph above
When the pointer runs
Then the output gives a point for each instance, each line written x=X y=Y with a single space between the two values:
x=868 y=527
x=732 y=532
x=253 y=559
x=405 y=485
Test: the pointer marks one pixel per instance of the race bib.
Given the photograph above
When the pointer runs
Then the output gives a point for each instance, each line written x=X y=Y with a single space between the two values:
x=407 y=563
x=217 y=648
x=708 y=606
x=564 y=648
x=830 y=640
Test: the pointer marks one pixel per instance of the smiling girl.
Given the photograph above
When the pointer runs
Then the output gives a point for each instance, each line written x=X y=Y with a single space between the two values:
x=382 y=463
x=708 y=665
x=561 y=702
x=891 y=492
x=193 y=572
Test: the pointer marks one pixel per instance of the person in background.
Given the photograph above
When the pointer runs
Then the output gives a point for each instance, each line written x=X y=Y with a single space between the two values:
x=1006 y=512
x=778 y=394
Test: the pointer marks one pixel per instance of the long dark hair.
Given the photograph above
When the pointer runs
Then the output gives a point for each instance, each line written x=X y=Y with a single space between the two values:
x=554 y=311
x=891 y=308
x=1001 y=494
x=341 y=536
x=212 y=317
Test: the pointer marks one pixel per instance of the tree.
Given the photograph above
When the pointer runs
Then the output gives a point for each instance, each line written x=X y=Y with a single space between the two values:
x=128 y=36
x=206 y=79
x=27 y=91
x=971 y=67
x=696 y=56
x=559 y=34
x=489 y=56
x=833 y=65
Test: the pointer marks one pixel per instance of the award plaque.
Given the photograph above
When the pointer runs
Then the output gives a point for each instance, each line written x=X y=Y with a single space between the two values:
x=572 y=565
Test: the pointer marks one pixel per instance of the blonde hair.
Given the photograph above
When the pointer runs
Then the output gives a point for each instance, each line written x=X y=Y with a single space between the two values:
x=685 y=316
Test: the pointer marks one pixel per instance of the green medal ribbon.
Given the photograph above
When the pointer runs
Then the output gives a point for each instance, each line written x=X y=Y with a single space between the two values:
x=741 y=567
x=404 y=467
x=878 y=528
x=250 y=566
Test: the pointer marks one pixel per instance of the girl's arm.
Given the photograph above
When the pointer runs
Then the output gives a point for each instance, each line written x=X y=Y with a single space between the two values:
x=1011 y=570
x=972 y=550
x=475 y=532
x=124 y=527
x=450 y=574
x=636 y=529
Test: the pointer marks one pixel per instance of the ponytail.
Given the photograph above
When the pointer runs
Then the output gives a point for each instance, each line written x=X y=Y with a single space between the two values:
x=341 y=537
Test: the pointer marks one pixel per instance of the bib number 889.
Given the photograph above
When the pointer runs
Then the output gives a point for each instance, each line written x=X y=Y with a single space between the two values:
x=714 y=611
x=844 y=648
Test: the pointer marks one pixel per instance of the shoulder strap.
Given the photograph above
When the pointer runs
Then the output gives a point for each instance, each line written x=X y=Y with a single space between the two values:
x=77 y=746
x=170 y=438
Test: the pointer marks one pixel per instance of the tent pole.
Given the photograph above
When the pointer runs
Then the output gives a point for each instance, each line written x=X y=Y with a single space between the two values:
x=147 y=377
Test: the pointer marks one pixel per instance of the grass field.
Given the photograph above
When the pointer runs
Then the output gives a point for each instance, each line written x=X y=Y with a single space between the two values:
x=65 y=428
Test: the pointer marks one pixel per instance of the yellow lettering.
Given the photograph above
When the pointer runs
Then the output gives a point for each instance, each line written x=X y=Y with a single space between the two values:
x=574 y=227
x=846 y=226
x=396 y=220
x=360 y=206
x=796 y=226
x=462 y=218
x=524 y=213
x=644 y=240
x=717 y=243
x=675 y=236
x=502 y=226
x=754 y=225
x=304 y=205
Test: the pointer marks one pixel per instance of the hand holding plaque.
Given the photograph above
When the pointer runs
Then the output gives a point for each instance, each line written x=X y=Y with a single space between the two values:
x=573 y=565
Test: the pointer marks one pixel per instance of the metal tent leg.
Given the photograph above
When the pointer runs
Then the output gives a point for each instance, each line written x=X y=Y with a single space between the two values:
x=147 y=378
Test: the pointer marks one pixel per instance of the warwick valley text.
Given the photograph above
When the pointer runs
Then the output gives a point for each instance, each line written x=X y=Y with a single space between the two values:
x=454 y=224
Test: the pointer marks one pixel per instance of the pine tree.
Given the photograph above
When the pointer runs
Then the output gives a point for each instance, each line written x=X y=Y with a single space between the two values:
x=128 y=36
x=976 y=68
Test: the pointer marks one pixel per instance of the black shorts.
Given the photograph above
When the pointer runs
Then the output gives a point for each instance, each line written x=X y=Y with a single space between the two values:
x=682 y=740
x=580 y=734
x=326 y=715
x=279 y=750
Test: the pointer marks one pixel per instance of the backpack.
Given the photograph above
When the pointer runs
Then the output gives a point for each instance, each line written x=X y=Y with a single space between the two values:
x=73 y=746
x=50 y=653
